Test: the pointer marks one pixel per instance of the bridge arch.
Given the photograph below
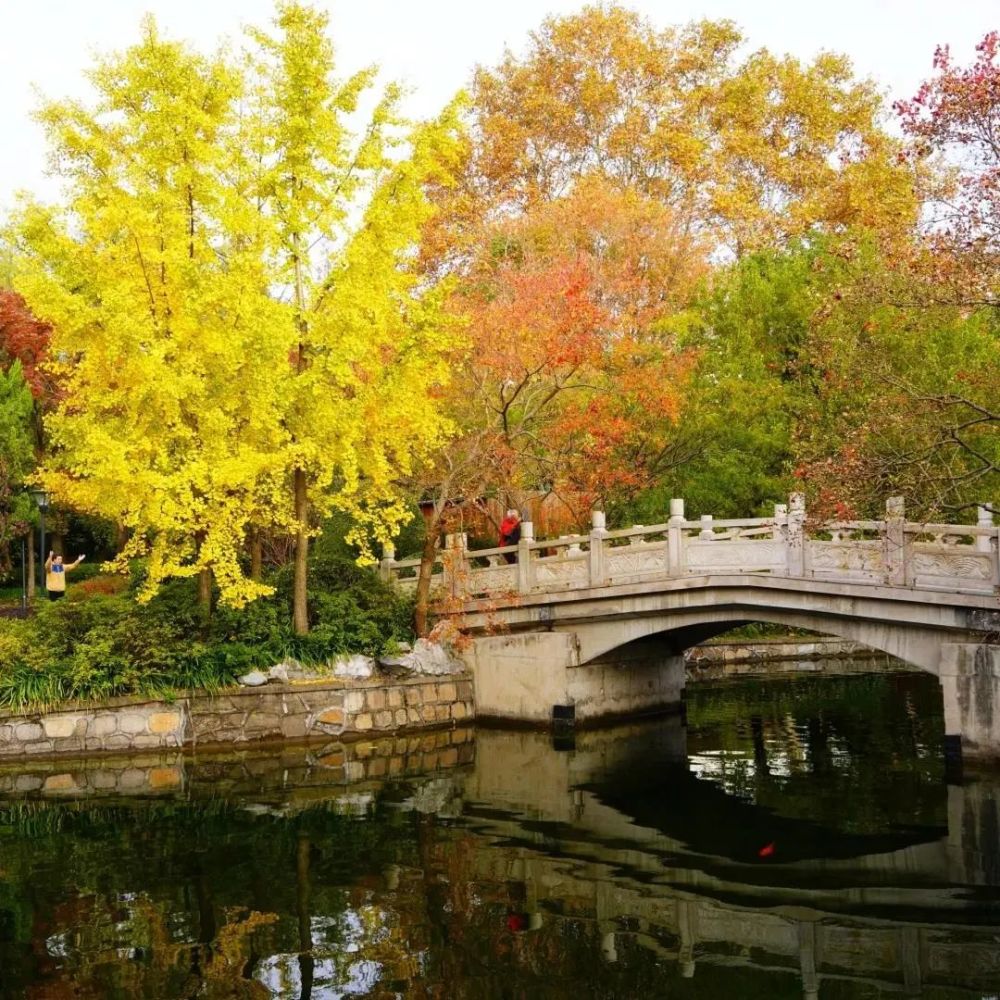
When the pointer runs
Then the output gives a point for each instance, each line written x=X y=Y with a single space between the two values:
x=679 y=631
x=617 y=650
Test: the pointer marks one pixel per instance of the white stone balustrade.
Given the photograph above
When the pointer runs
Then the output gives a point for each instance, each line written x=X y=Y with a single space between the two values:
x=955 y=558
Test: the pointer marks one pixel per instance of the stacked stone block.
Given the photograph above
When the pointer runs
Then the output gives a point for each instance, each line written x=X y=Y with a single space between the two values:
x=292 y=776
x=244 y=715
x=119 y=727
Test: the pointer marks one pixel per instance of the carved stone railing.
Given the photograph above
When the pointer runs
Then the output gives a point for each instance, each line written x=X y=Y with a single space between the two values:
x=955 y=558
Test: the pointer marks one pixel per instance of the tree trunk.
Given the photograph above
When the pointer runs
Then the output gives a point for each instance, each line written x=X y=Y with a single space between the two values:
x=300 y=609
x=256 y=555
x=205 y=590
x=121 y=536
x=427 y=556
x=204 y=581
x=307 y=962
x=31 y=564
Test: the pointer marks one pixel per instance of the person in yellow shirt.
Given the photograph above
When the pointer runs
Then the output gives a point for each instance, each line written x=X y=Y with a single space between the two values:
x=55 y=575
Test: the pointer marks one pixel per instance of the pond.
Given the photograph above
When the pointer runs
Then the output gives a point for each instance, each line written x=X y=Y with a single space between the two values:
x=797 y=838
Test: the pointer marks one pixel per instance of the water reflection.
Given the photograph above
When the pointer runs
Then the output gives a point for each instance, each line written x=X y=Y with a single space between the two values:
x=797 y=838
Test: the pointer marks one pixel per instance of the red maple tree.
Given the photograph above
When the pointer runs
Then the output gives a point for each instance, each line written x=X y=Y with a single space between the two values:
x=25 y=338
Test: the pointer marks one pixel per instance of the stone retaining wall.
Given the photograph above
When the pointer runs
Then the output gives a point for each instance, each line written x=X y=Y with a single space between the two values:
x=242 y=715
x=286 y=777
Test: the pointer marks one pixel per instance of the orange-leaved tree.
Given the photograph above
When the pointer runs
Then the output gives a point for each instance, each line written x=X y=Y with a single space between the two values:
x=574 y=379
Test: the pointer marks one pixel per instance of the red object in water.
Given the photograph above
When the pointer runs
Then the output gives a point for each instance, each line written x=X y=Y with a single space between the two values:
x=517 y=921
x=766 y=851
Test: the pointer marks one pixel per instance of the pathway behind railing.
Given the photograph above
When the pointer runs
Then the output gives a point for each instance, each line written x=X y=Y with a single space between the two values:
x=955 y=558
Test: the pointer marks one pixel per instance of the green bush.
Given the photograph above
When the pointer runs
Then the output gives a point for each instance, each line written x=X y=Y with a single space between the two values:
x=97 y=647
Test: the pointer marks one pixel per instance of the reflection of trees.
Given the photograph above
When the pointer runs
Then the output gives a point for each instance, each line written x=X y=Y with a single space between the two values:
x=162 y=899
x=306 y=960
x=871 y=739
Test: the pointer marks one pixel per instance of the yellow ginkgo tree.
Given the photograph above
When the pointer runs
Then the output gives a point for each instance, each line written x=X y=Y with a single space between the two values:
x=238 y=322
x=147 y=274
x=369 y=337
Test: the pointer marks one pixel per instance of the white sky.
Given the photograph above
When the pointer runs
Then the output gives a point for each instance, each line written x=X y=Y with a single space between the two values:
x=432 y=45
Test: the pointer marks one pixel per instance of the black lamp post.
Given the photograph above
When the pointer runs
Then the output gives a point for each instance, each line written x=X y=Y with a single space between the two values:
x=41 y=498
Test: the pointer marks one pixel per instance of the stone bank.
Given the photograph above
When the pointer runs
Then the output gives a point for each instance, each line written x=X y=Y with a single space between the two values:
x=285 y=777
x=240 y=716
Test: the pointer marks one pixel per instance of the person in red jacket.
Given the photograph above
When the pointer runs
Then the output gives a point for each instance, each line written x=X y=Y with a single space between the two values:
x=510 y=533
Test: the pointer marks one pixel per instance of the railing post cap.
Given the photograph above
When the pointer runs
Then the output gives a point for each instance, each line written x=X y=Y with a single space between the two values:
x=895 y=506
x=676 y=509
x=527 y=531
x=985 y=515
x=598 y=520
x=388 y=551
x=797 y=503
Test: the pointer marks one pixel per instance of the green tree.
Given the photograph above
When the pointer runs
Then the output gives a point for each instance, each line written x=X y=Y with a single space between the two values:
x=17 y=458
x=735 y=445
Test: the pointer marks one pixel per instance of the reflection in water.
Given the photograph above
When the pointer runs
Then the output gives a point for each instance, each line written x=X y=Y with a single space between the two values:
x=796 y=839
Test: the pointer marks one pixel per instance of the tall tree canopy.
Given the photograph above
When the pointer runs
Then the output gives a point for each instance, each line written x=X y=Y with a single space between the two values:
x=571 y=370
x=753 y=151
x=955 y=119
x=237 y=323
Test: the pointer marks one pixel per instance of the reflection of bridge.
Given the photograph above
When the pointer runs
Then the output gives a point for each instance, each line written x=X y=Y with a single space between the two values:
x=900 y=916
x=578 y=614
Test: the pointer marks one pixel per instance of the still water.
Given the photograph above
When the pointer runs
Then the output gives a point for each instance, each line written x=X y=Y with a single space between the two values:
x=798 y=838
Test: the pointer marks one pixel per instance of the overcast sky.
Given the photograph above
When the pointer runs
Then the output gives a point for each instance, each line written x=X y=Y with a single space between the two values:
x=433 y=44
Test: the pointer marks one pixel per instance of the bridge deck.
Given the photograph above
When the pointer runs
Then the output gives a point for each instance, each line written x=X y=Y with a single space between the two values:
x=939 y=560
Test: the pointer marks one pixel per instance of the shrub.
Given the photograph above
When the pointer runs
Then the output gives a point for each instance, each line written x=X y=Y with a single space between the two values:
x=101 y=643
x=99 y=585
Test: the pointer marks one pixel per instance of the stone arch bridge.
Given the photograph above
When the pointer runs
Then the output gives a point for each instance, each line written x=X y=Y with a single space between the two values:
x=586 y=627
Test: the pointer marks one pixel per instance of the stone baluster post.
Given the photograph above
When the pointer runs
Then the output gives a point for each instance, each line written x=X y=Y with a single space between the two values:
x=795 y=540
x=598 y=529
x=675 y=539
x=989 y=543
x=609 y=945
x=894 y=542
x=706 y=534
x=388 y=558
x=807 y=960
x=984 y=519
x=524 y=567
x=687 y=925
x=780 y=520
x=456 y=564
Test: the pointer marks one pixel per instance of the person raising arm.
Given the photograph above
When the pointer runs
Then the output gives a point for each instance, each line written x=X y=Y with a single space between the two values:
x=55 y=575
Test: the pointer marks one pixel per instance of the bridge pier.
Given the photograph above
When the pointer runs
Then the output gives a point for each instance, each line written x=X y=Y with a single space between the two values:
x=538 y=678
x=970 y=685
